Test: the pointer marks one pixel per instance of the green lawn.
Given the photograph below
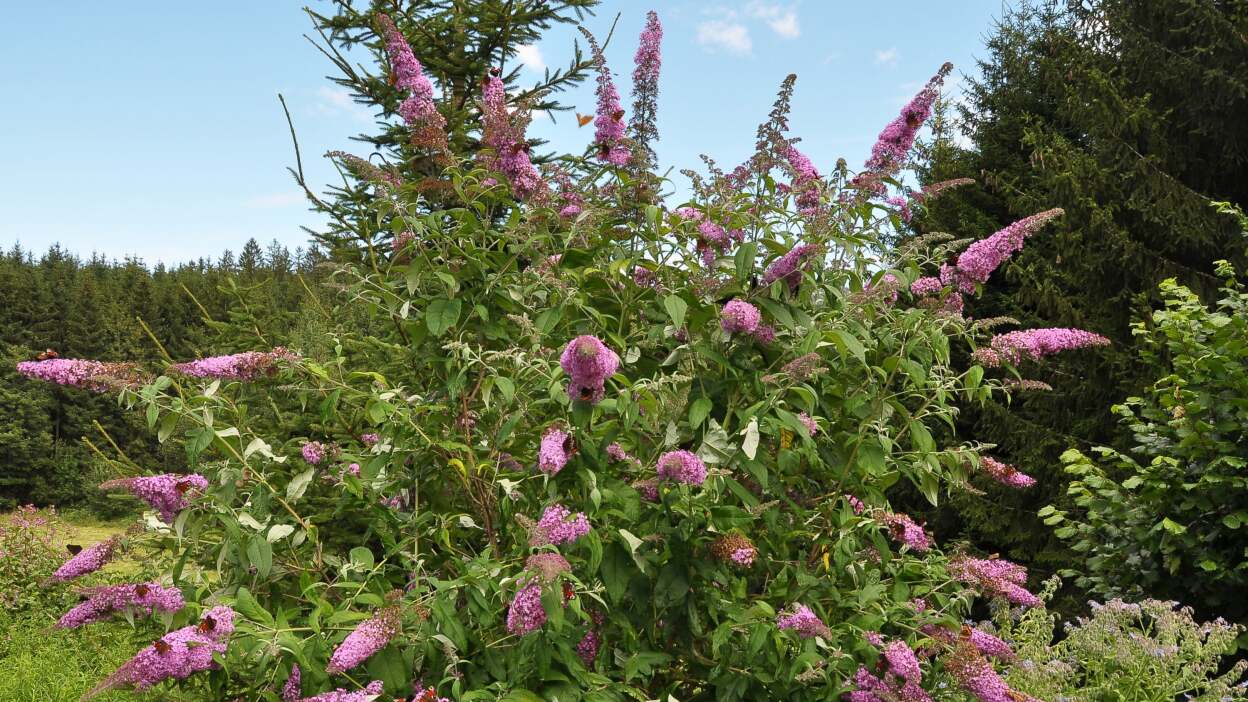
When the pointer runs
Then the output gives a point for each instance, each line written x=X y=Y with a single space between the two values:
x=40 y=663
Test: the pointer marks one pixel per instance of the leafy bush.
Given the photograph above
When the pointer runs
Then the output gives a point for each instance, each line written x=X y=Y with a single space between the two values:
x=1148 y=651
x=564 y=444
x=29 y=552
x=1171 y=519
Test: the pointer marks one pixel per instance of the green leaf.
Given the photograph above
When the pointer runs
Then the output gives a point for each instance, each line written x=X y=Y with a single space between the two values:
x=442 y=315
x=634 y=543
x=278 y=532
x=847 y=342
x=1172 y=526
x=698 y=411
x=299 y=484
x=246 y=603
x=505 y=386
x=260 y=553
x=676 y=308
x=361 y=557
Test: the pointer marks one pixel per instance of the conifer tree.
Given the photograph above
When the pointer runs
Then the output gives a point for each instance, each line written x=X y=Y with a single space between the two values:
x=457 y=45
x=1129 y=116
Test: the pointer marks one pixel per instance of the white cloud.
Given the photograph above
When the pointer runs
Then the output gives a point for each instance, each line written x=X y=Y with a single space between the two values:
x=337 y=101
x=887 y=57
x=277 y=200
x=727 y=34
x=530 y=56
x=782 y=19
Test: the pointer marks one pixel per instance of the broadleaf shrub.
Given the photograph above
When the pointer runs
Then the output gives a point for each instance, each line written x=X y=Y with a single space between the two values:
x=565 y=443
x=1168 y=519
x=1152 y=650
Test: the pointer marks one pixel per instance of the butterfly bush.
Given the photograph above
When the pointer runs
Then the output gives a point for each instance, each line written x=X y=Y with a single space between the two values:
x=643 y=450
x=168 y=494
x=103 y=601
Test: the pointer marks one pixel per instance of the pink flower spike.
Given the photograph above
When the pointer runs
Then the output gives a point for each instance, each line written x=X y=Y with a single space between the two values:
x=368 y=638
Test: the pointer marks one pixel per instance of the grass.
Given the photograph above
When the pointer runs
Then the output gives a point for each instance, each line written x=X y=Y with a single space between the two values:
x=40 y=663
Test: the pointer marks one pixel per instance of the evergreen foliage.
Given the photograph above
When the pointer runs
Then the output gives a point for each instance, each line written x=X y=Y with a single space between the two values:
x=97 y=308
x=1129 y=116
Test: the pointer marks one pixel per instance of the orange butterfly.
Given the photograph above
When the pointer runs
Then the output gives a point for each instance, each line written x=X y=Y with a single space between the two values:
x=583 y=120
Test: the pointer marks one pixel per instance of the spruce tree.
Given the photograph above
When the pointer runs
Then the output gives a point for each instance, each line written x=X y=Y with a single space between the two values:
x=458 y=44
x=1129 y=116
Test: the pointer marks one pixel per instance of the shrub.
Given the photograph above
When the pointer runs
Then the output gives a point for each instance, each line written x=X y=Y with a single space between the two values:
x=584 y=448
x=29 y=552
x=1148 y=651
x=1170 y=518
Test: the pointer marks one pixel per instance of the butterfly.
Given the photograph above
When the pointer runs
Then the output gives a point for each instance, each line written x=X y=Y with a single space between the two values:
x=569 y=592
x=183 y=486
x=74 y=549
x=569 y=444
x=161 y=646
x=47 y=355
x=141 y=590
x=582 y=120
x=618 y=115
x=207 y=624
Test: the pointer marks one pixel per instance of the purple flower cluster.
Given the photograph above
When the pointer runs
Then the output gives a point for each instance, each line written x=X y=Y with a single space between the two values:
x=1005 y=474
x=788 y=266
x=609 y=119
x=247 y=365
x=805 y=180
x=86 y=561
x=176 y=655
x=91 y=375
x=647 y=62
x=682 y=467
x=996 y=577
x=313 y=452
x=559 y=525
x=141 y=598
x=985 y=643
x=934 y=189
x=804 y=622
x=894 y=143
x=417 y=109
x=587 y=647
x=510 y=151
x=1034 y=344
x=526 y=615
x=370 y=439
x=890 y=688
x=809 y=423
x=370 y=693
x=904 y=531
x=555 y=451
x=588 y=363
x=548 y=566
x=168 y=494
x=649 y=489
x=744 y=557
x=293 y=688
x=617 y=453
x=368 y=638
x=981 y=258
x=928 y=285
x=855 y=504
x=976 y=676
x=739 y=316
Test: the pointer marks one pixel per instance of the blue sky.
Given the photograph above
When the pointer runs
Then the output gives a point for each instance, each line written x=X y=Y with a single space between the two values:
x=153 y=129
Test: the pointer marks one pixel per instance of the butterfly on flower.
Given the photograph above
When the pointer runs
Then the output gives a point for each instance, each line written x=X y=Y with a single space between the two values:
x=207 y=624
x=161 y=646
x=74 y=549
x=47 y=355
